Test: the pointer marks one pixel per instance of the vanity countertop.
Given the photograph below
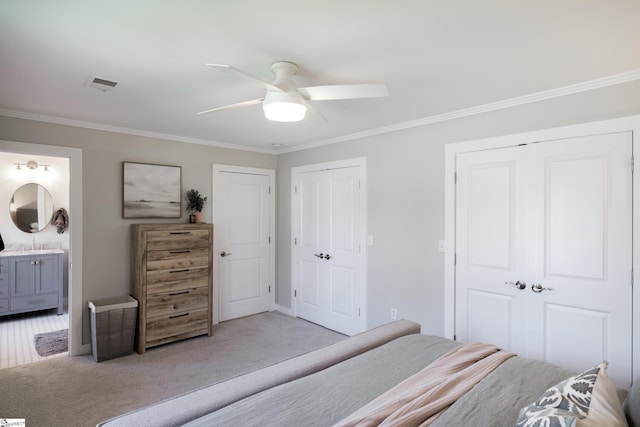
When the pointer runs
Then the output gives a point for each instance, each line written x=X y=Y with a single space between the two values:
x=31 y=252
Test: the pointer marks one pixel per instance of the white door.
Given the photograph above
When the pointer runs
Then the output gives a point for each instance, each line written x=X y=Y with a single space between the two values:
x=555 y=216
x=490 y=236
x=243 y=234
x=329 y=251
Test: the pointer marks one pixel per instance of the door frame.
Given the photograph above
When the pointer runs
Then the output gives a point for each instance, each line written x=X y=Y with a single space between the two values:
x=75 y=302
x=215 y=196
x=624 y=124
x=337 y=164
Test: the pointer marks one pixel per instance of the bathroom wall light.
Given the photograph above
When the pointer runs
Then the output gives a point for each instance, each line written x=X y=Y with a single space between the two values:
x=32 y=164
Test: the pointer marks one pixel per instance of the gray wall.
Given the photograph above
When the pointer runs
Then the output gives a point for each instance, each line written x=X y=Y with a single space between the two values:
x=105 y=234
x=406 y=197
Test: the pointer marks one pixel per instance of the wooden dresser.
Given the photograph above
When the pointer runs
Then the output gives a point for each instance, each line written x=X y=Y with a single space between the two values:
x=171 y=277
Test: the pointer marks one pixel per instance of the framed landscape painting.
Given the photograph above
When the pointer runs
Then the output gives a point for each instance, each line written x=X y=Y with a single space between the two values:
x=151 y=191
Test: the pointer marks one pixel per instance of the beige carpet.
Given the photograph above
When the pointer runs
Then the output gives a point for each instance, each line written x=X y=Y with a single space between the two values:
x=76 y=391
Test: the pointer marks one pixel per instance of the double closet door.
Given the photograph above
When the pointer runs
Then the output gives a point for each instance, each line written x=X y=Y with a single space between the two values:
x=329 y=234
x=544 y=251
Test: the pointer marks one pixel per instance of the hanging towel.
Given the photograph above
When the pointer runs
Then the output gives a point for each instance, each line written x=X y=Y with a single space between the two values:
x=1 y=243
x=61 y=220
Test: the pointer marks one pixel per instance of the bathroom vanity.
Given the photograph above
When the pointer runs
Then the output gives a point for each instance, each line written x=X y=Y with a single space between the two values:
x=30 y=281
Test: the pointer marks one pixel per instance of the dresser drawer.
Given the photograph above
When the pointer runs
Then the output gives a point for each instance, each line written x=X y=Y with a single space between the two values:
x=177 y=302
x=34 y=302
x=4 y=290
x=164 y=287
x=4 y=278
x=184 y=239
x=4 y=305
x=176 y=279
x=177 y=258
x=193 y=322
x=4 y=265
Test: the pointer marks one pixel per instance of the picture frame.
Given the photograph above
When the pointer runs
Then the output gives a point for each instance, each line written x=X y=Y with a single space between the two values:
x=151 y=190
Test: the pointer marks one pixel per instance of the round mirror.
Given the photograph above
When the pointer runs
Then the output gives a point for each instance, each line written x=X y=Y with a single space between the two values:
x=31 y=208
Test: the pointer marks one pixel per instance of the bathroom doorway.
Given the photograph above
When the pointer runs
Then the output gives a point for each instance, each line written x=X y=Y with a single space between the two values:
x=63 y=178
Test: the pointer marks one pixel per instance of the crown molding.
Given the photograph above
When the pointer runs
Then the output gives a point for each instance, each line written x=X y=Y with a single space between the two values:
x=599 y=83
x=127 y=131
x=603 y=82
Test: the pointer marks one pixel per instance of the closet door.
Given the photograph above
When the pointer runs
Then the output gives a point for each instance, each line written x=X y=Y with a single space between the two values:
x=329 y=260
x=311 y=244
x=555 y=217
x=490 y=260
x=580 y=248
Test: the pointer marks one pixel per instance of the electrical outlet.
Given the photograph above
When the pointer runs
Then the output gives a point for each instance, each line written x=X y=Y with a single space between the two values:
x=394 y=314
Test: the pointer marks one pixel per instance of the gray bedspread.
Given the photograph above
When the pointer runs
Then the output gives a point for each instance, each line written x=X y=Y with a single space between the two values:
x=326 y=397
x=189 y=406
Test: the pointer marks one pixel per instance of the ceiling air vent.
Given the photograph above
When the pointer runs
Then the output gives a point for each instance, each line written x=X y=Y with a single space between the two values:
x=102 y=84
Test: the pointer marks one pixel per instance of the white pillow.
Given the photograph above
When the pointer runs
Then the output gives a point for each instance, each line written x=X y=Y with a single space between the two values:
x=585 y=400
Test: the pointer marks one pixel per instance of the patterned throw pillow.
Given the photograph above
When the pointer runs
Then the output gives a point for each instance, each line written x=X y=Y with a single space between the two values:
x=545 y=417
x=587 y=399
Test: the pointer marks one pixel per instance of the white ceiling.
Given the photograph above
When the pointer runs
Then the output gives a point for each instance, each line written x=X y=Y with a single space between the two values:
x=435 y=56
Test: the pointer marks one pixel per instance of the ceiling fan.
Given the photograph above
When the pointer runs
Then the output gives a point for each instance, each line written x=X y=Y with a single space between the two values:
x=284 y=102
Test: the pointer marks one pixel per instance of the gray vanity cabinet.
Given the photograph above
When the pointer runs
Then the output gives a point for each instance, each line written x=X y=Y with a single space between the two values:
x=4 y=286
x=34 y=282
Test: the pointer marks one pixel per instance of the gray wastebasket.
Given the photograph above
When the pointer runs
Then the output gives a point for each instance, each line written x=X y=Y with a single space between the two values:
x=113 y=327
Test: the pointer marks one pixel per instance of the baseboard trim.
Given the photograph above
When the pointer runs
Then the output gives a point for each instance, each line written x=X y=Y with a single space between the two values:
x=82 y=350
x=284 y=310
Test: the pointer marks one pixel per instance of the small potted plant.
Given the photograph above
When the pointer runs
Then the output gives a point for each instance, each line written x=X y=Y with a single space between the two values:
x=195 y=204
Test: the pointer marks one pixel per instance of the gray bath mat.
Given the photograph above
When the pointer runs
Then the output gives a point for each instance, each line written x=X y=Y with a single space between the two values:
x=50 y=343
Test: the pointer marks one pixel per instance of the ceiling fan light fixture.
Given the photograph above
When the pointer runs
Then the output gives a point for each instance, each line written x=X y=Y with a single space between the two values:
x=284 y=111
x=286 y=102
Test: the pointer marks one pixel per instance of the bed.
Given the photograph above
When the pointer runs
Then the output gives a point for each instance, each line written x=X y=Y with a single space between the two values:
x=326 y=386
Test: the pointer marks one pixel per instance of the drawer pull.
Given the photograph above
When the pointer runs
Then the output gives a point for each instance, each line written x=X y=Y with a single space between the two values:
x=179 y=293
x=186 y=251
x=179 y=271
x=180 y=232
x=178 y=315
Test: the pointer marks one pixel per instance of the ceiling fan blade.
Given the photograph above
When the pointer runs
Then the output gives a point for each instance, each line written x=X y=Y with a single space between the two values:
x=234 y=106
x=315 y=111
x=255 y=80
x=324 y=93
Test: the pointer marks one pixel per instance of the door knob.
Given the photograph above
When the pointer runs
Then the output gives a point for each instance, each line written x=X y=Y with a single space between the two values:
x=327 y=256
x=537 y=288
x=320 y=255
x=518 y=284
x=224 y=254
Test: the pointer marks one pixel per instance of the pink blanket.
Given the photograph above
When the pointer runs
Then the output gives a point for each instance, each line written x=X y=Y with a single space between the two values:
x=421 y=398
